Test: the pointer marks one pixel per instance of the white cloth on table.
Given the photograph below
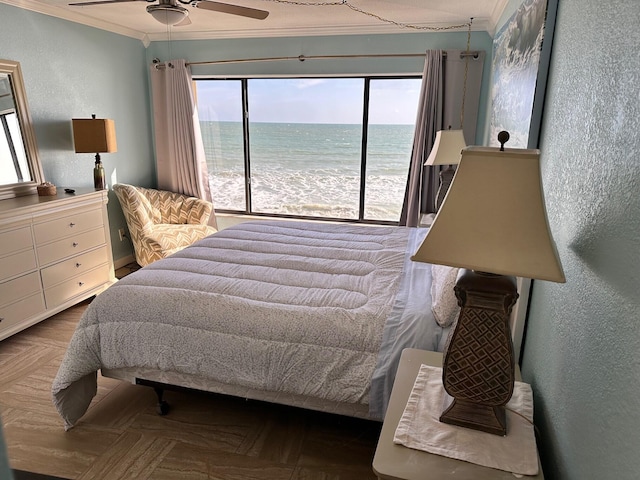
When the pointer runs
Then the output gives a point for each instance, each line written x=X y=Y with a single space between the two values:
x=420 y=428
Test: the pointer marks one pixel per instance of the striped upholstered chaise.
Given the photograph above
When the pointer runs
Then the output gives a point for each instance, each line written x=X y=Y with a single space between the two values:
x=161 y=223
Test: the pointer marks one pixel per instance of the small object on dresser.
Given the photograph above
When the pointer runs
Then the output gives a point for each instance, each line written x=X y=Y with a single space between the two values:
x=69 y=190
x=46 y=189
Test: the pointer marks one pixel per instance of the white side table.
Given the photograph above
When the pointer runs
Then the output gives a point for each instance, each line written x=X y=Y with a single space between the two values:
x=397 y=462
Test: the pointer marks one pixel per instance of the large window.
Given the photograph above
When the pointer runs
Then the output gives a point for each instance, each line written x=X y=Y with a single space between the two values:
x=335 y=148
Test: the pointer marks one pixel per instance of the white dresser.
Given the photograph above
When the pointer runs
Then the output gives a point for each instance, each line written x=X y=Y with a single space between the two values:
x=55 y=251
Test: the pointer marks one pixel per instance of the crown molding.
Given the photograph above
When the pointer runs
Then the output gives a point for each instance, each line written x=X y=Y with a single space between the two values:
x=63 y=14
x=495 y=16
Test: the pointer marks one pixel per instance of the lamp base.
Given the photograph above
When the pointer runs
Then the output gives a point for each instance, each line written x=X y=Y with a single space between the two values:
x=99 y=182
x=446 y=177
x=478 y=370
x=486 y=418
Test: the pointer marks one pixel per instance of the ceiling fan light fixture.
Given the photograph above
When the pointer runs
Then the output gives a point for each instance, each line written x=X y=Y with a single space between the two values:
x=168 y=14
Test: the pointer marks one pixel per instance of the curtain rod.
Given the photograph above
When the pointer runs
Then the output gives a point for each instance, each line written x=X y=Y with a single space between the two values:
x=302 y=58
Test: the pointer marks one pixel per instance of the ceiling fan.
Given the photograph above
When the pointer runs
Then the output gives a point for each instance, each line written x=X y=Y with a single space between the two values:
x=169 y=12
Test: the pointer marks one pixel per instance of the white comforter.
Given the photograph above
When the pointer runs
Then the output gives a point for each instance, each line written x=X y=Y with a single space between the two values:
x=297 y=307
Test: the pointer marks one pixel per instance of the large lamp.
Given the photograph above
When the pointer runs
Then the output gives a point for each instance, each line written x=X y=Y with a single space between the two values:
x=493 y=224
x=95 y=135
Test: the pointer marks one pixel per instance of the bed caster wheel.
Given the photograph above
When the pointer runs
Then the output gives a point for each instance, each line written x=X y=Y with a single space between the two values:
x=162 y=408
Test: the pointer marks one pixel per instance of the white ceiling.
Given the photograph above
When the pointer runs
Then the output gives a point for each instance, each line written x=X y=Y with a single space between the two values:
x=285 y=19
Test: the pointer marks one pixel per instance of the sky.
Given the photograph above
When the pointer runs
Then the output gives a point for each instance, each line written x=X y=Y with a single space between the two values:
x=310 y=100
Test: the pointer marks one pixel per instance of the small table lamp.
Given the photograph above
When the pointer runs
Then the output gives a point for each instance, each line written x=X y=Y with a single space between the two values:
x=446 y=150
x=493 y=224
x=449 y=143
x=95 y=135
x=447 y=147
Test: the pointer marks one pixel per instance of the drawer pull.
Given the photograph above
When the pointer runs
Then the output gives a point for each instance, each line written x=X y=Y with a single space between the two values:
x=74 y=244
x=78 y=265
x=80 y=284
x=71 y=225
x=1 y=319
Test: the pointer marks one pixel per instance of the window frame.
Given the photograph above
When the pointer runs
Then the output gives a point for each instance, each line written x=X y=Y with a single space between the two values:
x=248 y=211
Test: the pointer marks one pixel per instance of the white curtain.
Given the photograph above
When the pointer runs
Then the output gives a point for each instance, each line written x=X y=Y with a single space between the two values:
x=180 y=159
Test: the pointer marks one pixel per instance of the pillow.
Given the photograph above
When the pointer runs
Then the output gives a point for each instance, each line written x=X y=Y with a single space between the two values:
x=444 y=303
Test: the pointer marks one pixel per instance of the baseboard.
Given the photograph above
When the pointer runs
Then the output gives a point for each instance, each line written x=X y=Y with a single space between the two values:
x=121 y=262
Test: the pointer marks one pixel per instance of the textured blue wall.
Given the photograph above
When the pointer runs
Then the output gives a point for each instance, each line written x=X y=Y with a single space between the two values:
x=582 y=349
x=72 y=71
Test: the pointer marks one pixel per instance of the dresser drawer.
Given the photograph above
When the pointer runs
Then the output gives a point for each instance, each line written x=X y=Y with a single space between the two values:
x=17 y=263
x=15 y=240
x=19 y=287
x=13 y=314
x=69 y=246
x=76 y=286
x=74 y=266
x=64 y=226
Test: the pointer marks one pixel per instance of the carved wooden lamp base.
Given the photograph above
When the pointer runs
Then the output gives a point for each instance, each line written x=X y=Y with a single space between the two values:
x=479 y=368
x=487 y=418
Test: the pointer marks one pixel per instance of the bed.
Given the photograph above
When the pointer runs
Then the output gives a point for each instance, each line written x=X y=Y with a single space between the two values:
x=300 y=313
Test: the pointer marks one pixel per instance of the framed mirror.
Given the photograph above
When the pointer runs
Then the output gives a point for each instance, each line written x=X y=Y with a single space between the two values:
x=20 y=168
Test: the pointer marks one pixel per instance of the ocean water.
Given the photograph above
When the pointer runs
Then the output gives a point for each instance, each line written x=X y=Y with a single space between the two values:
x=309 y=169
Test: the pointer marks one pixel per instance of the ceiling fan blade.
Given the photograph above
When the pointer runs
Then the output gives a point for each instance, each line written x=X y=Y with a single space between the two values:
x=101 y=2
x=183 y=23
x=232 y=9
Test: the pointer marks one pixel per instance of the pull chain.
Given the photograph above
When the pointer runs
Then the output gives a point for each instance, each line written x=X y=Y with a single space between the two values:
x=466 y=72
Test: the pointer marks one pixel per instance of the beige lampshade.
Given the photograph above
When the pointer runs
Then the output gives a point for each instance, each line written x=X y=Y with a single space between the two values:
x=494 y=219
x=446 y=148
x=94 y=135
